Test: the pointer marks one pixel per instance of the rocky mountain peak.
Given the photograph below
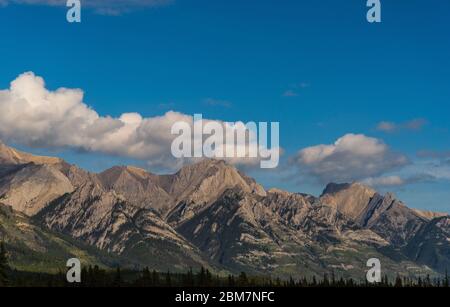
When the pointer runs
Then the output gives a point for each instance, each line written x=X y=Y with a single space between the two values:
x=278 y=191
x=137 y=171
x=31 y=187
x=138 y=186
x=198 y=185
x=210 y=177
x=429 y=215
x=9 y=155
x=350 y=199
x=335 y=188
x=203 y=168
x=112 y=175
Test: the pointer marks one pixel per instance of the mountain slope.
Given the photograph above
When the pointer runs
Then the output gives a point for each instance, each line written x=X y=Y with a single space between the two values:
x=28 y=188
x=210 y=214
x=9 y=155
x=383 y=214
x=30 y=248
x=392 y=220
x=431 y=244
x=139 y=187
x=349 y=199
x=285 y=234
x=105 y=219
x=429 y=215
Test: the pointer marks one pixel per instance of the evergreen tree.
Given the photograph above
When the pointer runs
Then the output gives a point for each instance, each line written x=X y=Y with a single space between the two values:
x=325 y=281
x=427 y=281
x=333 y=279
x=231 y=282
x=291 y=282
x=446 y=281
x=201 y=277
x=85 y=278
x=209 y=278
x=243 y=281
x=188 y=279
x=155 y=278
x=385 y=281
x=168 y=279
x=99 y=276
x=146 y=277
x=278 y=282
x=3 y=265
x=398 y=282
x=118 y=282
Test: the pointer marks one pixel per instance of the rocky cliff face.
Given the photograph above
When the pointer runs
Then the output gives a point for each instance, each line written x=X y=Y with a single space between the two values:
x=197 y=186
x=430 y=244
x=285 y=233
x=34 y=249
x=138 y=186
x=210 y=214
x=28 y=188
x=383 y=214
x=105 y=219
x=349 y=199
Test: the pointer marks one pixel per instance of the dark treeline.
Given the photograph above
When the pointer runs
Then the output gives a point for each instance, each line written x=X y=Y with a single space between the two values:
x=93 y=276
x=97 y=277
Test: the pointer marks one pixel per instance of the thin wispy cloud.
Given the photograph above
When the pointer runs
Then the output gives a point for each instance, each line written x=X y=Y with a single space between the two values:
x=105 y=7
x=399 y=180
x=290 y=93
x=217 y=103
x=411 y=125
x=166 y=105
x=294 y=89
x=433 y=154
x=387 y=181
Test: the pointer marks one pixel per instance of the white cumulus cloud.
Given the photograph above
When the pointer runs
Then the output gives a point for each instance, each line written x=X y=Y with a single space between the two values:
x=34 y=116
x=352 y=157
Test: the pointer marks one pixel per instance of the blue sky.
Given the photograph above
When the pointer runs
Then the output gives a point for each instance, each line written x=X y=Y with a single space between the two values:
x=317 y=67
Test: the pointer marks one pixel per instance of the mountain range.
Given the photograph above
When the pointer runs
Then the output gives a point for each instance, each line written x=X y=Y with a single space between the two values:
x=208 y=214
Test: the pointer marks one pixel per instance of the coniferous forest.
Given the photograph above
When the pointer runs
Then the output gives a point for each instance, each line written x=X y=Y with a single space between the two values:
x=94 y=276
